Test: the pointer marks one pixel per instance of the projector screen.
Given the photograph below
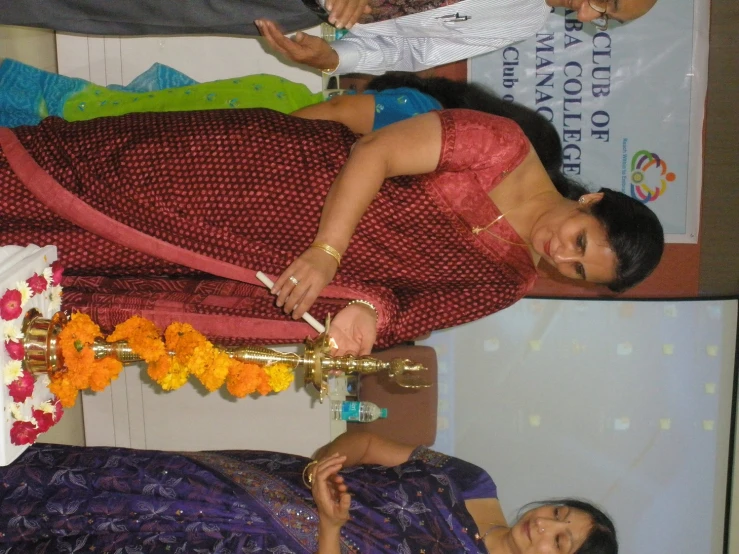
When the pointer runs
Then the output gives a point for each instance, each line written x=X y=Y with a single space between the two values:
x=628 y=404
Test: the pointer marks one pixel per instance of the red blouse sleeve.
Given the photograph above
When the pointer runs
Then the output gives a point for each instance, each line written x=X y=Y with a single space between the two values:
x=486 y=144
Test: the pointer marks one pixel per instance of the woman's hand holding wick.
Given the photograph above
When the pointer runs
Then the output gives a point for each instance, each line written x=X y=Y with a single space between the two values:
x=330 y=492
x=303 y=280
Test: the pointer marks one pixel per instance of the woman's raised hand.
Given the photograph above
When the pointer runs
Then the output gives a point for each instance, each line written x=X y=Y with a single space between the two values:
x=303 y=280
x=330 y=492
x=354 y=329
x=345 y=13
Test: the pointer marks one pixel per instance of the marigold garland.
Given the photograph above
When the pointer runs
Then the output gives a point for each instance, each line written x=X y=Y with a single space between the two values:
x=171 y=359
x=142 y=336
x=81 y=370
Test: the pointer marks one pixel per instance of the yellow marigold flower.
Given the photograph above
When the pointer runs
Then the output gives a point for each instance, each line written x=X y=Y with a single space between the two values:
x=216 y=373
x=280 y=376
x=176 y=377
x=201 y=359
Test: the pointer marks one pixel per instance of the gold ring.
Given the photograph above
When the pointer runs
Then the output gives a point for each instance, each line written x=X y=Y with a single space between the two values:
x=293 y=280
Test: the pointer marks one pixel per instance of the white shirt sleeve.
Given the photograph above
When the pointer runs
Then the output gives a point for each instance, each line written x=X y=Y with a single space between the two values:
x=435 y=37
x=376 y=55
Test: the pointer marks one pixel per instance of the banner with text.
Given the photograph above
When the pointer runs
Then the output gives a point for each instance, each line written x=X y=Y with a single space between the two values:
x=628 y=102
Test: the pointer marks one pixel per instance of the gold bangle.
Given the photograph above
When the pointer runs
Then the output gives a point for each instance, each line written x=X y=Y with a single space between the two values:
x=364 y=302
x=332 y=70
x=307 y=475
x=330 y=250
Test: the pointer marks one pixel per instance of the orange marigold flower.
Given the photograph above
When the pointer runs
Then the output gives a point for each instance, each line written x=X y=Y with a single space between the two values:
x=80 y=327
x=65 y=391
x=243 y=379
x=202 y=357
x=183 y=340
x=142 y=336
x=159 y=367
x=103 y=372
x=79 y=368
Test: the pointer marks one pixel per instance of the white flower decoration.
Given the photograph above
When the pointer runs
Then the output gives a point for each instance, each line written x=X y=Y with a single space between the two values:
x=43 y=380
x=11 y=332
x=47 y=274
x=25 y=290
x=12 y=371
x=16 y=408
x=55 y=298
x=47 y=407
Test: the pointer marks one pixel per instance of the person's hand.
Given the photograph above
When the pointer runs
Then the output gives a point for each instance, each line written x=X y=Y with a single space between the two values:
x=330 y=492
x=345 y=13
x=302 y=48
x=303 y=280
x=354 y=329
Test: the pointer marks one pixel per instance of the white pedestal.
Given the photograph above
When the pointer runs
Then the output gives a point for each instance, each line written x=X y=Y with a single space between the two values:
x=18 y=263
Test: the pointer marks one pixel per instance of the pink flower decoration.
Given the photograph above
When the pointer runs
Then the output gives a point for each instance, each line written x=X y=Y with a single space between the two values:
x=22 y=387
x=10 y=305
x=23 y=432
x=58 y=410
x=37 y=283
x=44 y=420
x=56 y=270
x=15 y=349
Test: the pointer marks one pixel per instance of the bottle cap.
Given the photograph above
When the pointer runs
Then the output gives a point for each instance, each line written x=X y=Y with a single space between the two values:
x=383 y=412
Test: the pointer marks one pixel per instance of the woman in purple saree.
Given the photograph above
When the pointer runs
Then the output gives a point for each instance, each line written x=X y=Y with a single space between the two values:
x=403 y=499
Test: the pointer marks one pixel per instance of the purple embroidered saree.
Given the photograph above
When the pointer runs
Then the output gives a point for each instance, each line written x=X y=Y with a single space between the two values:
x=71 y=499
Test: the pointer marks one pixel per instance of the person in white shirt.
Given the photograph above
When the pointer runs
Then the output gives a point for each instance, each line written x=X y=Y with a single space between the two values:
x=437 y=36
x=403 y=35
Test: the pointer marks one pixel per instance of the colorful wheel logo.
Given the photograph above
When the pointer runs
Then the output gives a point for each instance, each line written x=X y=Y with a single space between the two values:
x=649 y=176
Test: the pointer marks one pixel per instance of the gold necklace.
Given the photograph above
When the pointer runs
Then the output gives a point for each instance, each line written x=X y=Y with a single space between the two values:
x=477 y=230
x=491 y=527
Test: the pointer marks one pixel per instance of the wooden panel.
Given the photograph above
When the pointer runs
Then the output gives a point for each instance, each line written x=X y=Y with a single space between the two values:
x=675 y=277
x=719 y=268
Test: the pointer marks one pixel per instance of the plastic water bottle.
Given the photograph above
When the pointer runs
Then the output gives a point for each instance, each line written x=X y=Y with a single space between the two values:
x=356 y=411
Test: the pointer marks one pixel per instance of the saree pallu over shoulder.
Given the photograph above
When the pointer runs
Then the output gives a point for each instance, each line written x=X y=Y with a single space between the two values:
x=71 y=208
x=488 y=147
x=273 y=481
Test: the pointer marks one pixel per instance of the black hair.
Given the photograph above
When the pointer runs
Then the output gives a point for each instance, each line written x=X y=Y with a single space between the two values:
x=635 y=235
x=471 y=96
x=602 y=536
x=633 y=230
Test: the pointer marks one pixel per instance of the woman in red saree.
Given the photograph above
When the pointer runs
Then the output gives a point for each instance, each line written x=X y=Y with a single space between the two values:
x=169 y=216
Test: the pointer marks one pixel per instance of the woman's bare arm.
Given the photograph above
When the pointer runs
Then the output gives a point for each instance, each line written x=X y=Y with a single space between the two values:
x=409 y=147
x=361 y=447
x=356 y=111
